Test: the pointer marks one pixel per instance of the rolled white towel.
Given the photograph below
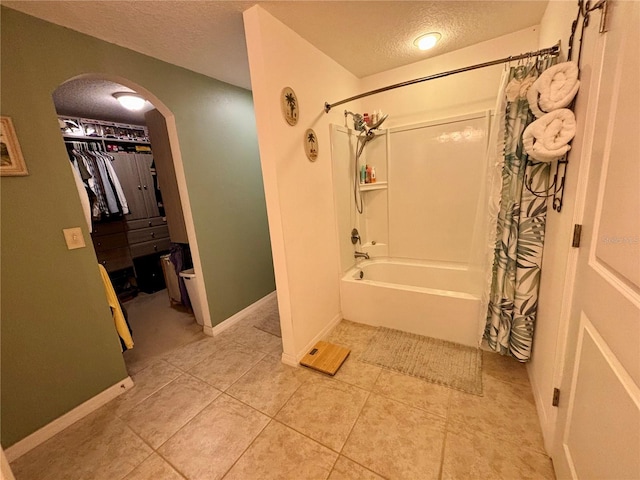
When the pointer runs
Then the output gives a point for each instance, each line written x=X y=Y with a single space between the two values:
x=554 y=88
x=547 y=138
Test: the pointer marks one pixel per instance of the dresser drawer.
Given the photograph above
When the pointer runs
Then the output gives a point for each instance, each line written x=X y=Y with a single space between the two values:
x=148 y=248
x=107 y=242
x=107 y=228
x=115 y=259
x=147 y=234
x=146 y=222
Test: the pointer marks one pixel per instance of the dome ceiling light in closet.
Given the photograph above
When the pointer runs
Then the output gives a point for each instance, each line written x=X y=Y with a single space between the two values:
x=130 y=101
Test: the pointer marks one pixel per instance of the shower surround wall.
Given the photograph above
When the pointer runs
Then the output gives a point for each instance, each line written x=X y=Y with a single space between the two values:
x=372 y=224
x=422 y=224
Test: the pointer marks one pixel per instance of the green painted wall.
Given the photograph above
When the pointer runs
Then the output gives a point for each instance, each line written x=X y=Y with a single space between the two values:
x=58 y=344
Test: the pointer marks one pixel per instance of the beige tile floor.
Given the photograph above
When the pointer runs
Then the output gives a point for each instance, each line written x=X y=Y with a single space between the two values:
x=226 y=407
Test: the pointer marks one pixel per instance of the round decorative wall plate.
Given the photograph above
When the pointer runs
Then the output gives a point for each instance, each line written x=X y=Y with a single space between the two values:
x=311 y=145
x=289 y=104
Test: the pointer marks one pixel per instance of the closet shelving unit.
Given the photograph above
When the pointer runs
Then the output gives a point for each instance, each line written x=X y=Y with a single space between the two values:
x=128 y=247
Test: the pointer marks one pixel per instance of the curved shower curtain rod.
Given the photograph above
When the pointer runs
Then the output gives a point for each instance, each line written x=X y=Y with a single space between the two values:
x=545 y=51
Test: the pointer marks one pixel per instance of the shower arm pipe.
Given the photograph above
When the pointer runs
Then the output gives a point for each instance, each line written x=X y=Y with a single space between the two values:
x=545 y=51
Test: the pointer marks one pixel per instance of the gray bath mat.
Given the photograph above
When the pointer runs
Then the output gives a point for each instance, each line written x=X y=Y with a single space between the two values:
x=437 y=361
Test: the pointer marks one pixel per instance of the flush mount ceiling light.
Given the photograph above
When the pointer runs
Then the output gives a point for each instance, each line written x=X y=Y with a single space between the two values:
x=130 y=100
x=427 y=41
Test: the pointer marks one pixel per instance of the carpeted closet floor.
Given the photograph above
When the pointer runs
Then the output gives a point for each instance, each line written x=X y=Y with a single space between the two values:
x=158 y=328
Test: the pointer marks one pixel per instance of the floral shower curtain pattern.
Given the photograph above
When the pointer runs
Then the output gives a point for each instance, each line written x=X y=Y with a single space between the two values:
x=513 y=299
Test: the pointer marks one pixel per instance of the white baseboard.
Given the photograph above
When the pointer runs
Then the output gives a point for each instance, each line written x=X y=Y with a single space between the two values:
x=207 y=330
x=232 y=320
x=289 y=359
x=43 y=434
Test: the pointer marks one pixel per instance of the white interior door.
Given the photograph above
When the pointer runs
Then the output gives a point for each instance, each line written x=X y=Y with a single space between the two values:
x=598 y=430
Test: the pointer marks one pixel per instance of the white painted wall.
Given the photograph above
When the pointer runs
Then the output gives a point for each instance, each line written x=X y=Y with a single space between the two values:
x=556 y=25
x=299 y=193
x=559 y=257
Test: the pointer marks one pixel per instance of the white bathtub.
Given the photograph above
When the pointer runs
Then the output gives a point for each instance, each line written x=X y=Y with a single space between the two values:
x=439 y=301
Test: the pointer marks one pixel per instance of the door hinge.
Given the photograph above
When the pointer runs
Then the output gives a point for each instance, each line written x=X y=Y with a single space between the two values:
x=577 y=235
x=603 y=17
x=556 y=397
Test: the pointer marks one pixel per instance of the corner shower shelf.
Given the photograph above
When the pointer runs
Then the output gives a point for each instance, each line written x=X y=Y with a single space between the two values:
x=365 y=187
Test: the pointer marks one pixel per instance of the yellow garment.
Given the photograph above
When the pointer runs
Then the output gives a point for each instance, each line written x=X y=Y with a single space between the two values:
x=118 y=317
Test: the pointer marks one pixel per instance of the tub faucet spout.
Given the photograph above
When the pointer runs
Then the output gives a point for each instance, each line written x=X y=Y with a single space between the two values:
x=361 y=255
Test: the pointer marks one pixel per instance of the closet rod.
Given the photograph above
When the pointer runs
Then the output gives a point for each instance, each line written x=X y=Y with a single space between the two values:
x=545 y=51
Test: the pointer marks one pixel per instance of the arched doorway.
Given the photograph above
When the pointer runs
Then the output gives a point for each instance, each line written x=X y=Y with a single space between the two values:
x=148 y=216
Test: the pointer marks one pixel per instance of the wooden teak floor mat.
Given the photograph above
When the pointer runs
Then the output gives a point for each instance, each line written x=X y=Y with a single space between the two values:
x=325 y=357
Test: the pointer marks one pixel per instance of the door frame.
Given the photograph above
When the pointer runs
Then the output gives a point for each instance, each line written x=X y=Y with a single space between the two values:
x=565 y=367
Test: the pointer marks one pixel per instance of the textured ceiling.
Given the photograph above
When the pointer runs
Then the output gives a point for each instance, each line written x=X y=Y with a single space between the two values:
x=365 y=37
x=204 y=36
x=374 y=36
x=91 y=98
x=207 y=37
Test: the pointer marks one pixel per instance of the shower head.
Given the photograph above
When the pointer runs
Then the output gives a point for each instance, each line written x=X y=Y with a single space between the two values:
x=360 y=125
x=358 y=120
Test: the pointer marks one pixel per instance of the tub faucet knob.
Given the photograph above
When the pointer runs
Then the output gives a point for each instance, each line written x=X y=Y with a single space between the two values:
x=355 y=236
x=364 y=255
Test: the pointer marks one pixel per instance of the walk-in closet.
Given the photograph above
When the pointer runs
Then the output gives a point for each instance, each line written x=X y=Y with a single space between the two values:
x=123 y=164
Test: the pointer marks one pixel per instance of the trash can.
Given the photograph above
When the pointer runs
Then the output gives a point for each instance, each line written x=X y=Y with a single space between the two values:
x=189 y=278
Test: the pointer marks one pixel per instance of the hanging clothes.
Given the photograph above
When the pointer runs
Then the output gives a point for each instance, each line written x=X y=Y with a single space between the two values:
x=101 y=181
x=84 y=198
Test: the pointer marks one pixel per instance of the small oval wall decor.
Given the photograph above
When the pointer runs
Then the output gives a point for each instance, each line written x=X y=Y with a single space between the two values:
x=290 y=107
x=311 y=145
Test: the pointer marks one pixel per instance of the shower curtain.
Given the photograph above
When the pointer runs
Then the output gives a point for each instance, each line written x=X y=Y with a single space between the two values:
x=520 y=223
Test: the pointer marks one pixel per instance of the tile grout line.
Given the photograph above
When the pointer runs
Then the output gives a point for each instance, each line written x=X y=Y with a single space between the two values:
x=153 y=450
x=290 y=397
x=156 y=450
x=174 y=433
x=447 y=421
x=346 y=440
x=246 y=449
x=174 y=467
x=190 y=420
x=245 y=373
x=147 y=397
x=369 y=393
x=124 y=477
x=501 y=440
x=319 y=442
x=414 y=406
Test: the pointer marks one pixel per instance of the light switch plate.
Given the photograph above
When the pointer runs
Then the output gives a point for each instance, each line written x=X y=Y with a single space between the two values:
x=74 y=238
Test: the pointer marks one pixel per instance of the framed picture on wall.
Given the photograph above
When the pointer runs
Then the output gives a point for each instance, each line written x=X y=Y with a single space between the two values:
x=11 y=161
